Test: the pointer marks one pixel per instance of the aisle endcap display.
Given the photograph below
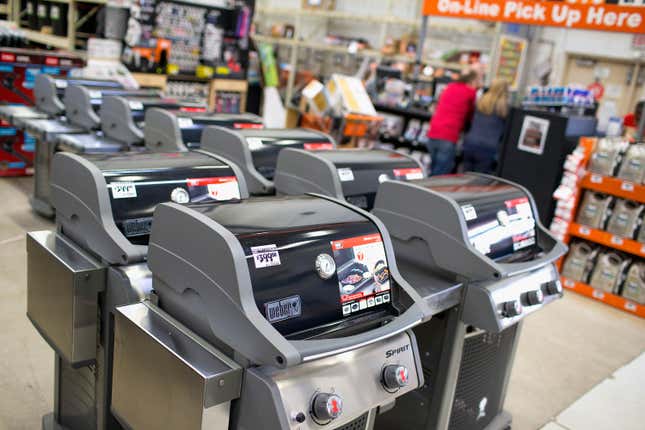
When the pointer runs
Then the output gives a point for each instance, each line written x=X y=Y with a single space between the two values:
x=595 y=206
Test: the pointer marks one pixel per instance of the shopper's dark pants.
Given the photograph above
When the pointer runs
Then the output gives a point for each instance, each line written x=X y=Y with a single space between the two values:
x=442 y=154
x=478 y=159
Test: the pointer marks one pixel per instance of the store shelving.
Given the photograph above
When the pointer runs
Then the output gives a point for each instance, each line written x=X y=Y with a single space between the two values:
x=333 y=14
x=605 y=297
x=614 y=186
x=618 y=188
x=607 y=239
x=48 y=39
x=344 y=50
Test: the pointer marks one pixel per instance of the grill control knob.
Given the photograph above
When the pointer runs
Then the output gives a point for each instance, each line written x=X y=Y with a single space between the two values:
x=512 y=308
x=395 y=377
x=535 y=297
x=553 y=287
x=327 y=407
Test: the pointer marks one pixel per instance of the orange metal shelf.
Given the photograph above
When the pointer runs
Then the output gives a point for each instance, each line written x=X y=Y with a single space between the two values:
x=602 y=296
x=614 y=186
x=607 y=239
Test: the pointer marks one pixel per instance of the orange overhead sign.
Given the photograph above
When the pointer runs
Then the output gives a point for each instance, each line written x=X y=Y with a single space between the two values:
x=603 y=17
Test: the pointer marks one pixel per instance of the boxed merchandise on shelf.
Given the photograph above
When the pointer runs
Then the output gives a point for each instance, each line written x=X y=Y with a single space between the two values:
x=18 y=70
x=607 y=252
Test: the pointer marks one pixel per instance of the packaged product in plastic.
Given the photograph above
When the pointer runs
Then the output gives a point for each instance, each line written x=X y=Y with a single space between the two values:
x=633 y=165
x=594 y=209
x=609 y=271
x=634 y=286
x=579 y=261
x=625 y=218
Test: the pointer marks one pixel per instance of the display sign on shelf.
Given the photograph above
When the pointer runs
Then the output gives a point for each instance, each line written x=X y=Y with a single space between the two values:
x=510 y=60
x=603 y=17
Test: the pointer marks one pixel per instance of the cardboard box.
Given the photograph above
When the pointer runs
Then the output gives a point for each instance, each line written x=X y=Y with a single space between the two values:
x=347 y=94
x=315 y=98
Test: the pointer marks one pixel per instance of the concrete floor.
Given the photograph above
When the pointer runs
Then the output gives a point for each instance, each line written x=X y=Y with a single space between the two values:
x=565 y=350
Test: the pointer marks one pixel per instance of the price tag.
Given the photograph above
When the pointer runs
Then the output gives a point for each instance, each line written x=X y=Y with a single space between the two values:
x=265 y=256
x=135 y=105
x=123 y=190
x=569 y=283
x=254 y=143
x=585 y=231
x=643 y=250
x=598 y=294
x=630 y=306
x=184 y=122
x=617 y=240
x=94 y=94
x=627 y=186
x=596 y=179
x=345 y=174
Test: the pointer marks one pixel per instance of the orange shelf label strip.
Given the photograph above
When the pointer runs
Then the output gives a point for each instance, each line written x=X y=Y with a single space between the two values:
x=614 y=186
x=607 y=239
x=605 y=297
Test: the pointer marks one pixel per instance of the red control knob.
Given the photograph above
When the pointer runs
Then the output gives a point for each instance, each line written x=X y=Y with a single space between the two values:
x=395 y=377
x=327 y=407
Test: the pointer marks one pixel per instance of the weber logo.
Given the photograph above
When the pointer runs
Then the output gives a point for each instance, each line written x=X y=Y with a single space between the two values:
x=51 y=61
x=265 y=256
x=137 y=227
x=123 y=190
x=284 y=309
x=9 y=58
x=396 y=351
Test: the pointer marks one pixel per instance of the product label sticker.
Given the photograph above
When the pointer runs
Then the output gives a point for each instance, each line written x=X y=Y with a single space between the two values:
x=135 y=105
x=246 y=125
x=408 y=174
x=318 y=146
x=363 y=273
x=94 y=94
x=345 y=174
x=598 y=294
x=184 y=122
x=217 y=188
x=469 y=212
x=224 y=190
x=254 y=143
x=630 y=306
x=284 y=309
x=123 y=190
x=265 y=256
